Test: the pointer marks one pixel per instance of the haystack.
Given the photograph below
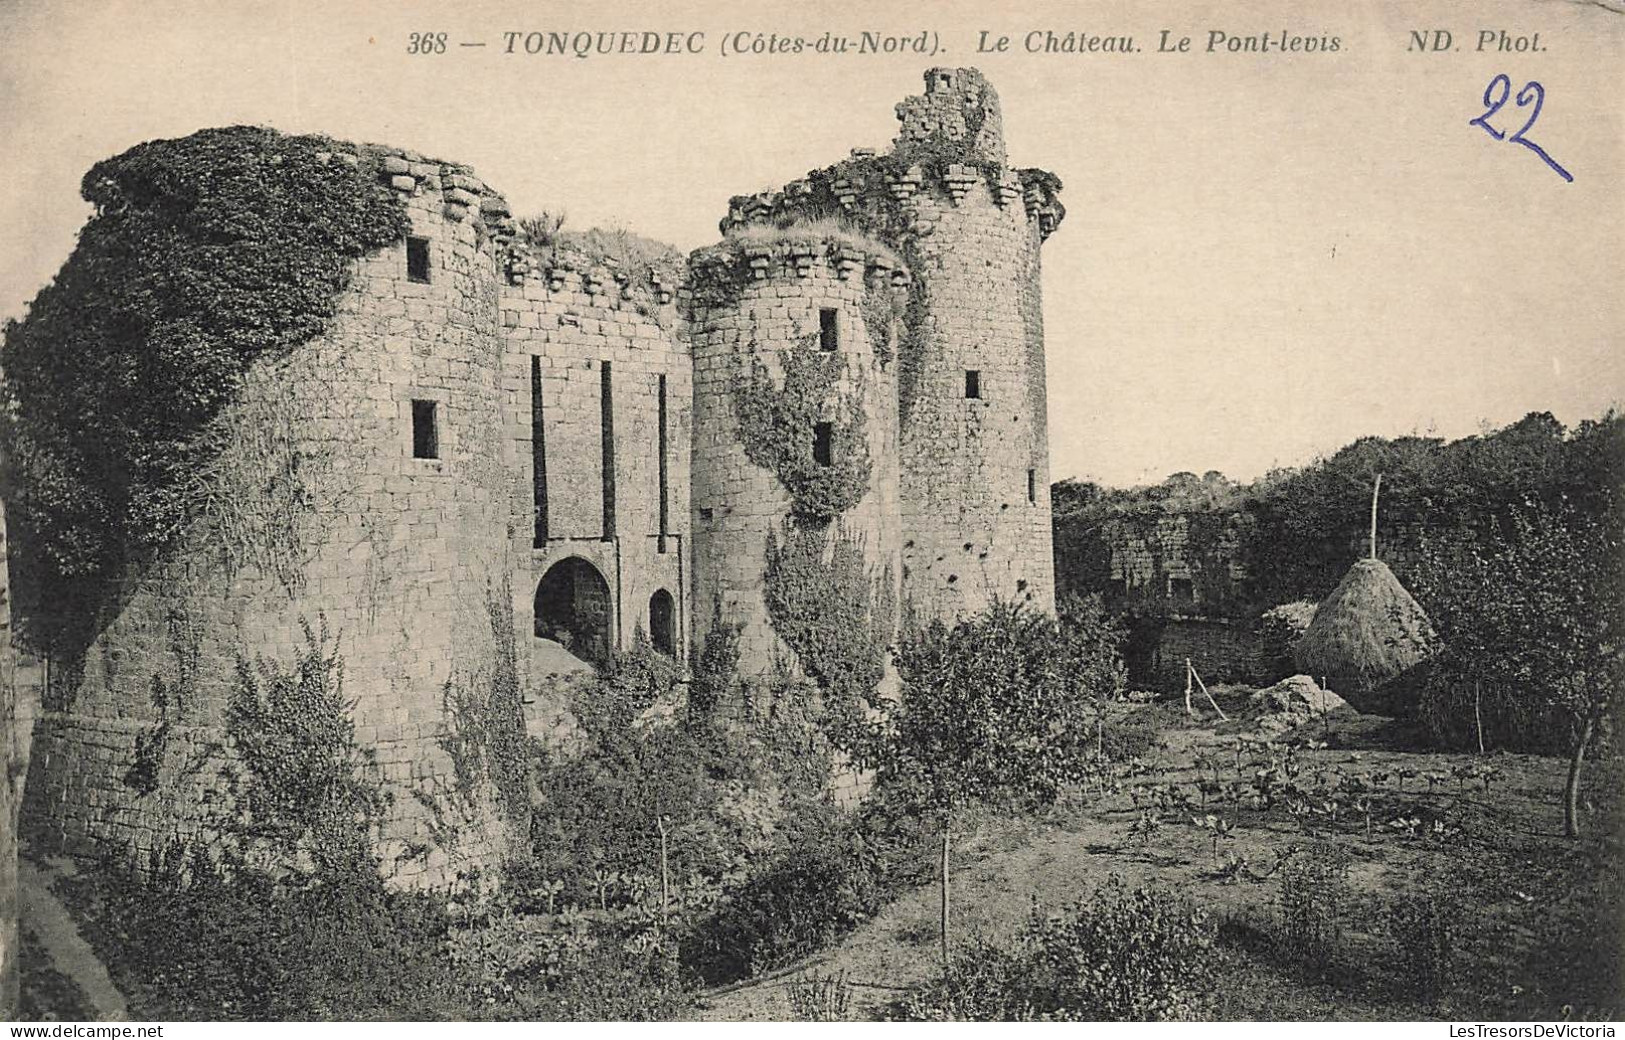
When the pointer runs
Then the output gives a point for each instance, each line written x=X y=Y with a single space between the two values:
x=1366 y=634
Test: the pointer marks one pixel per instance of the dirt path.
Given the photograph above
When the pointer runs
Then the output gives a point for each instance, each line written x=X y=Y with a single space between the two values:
x=45 y=916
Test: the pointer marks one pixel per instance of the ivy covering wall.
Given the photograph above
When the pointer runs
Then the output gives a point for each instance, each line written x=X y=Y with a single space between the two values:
x=204 y=255
x=838 y=616
x=777 y=420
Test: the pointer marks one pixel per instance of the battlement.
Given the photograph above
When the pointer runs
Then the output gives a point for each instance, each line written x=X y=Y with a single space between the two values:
x=464 y=196
x=951 y=141
x=757 y=253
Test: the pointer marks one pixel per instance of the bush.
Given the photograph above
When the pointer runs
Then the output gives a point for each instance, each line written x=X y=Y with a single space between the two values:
x=819 y=998
x=1094 y=646
x=1312 y=903
x=217 y=942
x=1279 y=630
x=1124 y=955
x=821 y=883
x=1426 y=929
x=1125 y=739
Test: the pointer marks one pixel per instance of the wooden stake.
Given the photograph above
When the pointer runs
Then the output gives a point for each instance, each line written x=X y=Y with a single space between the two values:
x=1189 y=671
x=1205 y=692
x=1375 y=488
x=1478 y=720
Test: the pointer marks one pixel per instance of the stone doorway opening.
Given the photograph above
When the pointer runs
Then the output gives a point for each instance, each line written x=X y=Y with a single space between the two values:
x=573 y=608
x=663 y=622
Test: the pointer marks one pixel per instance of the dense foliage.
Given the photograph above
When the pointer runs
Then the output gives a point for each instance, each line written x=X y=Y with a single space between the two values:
x=1121 y=956
x=305 y=783
x=204 y=255
x=1000 y=705
x=1536 y=608
x=836 y=615
x=1297 y=531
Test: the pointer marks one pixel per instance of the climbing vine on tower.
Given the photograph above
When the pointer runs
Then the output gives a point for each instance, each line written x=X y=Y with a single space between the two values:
x=205 y=254
x=780 y=424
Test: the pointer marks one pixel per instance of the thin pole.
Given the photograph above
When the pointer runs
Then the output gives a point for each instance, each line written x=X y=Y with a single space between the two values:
x=1375 y=488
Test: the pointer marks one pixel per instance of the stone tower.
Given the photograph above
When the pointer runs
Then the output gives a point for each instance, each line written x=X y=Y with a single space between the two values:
x=973 y=450
x=975 y=443
x=795 y=420
x=362 y=490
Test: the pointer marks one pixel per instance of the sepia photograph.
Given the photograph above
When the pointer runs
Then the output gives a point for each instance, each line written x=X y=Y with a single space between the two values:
x=801 y=512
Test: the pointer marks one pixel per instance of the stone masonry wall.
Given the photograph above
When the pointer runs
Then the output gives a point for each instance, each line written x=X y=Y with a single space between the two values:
x=321 y=516
x=738 y=505
x=1220 y=649
x=573 y=323
x=968 y=464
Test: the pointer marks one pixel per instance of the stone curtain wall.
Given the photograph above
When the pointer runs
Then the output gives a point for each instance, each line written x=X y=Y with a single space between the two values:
x=320 y=511
x=572 y=323
x=1221 y=650
x=756 y=301
x=1151 y=555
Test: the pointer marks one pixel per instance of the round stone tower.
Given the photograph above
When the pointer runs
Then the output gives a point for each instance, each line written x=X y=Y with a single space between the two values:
x=795 y=434
x=359 y=508
x=975 y=443
x=973 y=446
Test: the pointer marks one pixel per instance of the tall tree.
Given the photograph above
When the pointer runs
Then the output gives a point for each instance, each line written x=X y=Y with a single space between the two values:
x=1000 y=706
x=1538 y=606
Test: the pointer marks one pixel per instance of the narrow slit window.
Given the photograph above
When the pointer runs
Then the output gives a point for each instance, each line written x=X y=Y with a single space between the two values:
x=1032 y=486
x=417 y=259
x=823 y=434
x=606 y=410
x=538 y=454
x=425 y=430
x=663 y=448
x=829 y=330
x=973 y=384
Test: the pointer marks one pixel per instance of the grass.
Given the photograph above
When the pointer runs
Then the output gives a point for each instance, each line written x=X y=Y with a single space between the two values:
x=1539 y=931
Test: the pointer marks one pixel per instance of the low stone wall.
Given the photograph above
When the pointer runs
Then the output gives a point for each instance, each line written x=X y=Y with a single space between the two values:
x=1220 y=649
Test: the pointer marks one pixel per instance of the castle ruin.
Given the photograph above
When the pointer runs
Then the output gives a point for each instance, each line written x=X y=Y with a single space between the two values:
x=494 y=450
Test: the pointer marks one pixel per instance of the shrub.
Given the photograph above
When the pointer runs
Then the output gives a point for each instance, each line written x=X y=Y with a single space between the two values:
x=1312 y=903
x=1125 y=739
x=1094 y=646
x=211 y=941
x=1124 y=955
x=819 y=998
x=1426 y=928
x=821 y=883
x=1279 y=630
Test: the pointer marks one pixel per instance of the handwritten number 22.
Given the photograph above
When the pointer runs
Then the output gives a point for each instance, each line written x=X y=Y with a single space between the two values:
x=1531 y=92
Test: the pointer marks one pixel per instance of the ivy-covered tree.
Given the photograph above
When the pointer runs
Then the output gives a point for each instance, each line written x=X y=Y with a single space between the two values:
x=1537 y=606
x=999 y=706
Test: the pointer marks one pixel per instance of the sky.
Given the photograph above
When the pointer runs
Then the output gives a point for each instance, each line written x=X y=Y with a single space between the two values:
x=1266 y=255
